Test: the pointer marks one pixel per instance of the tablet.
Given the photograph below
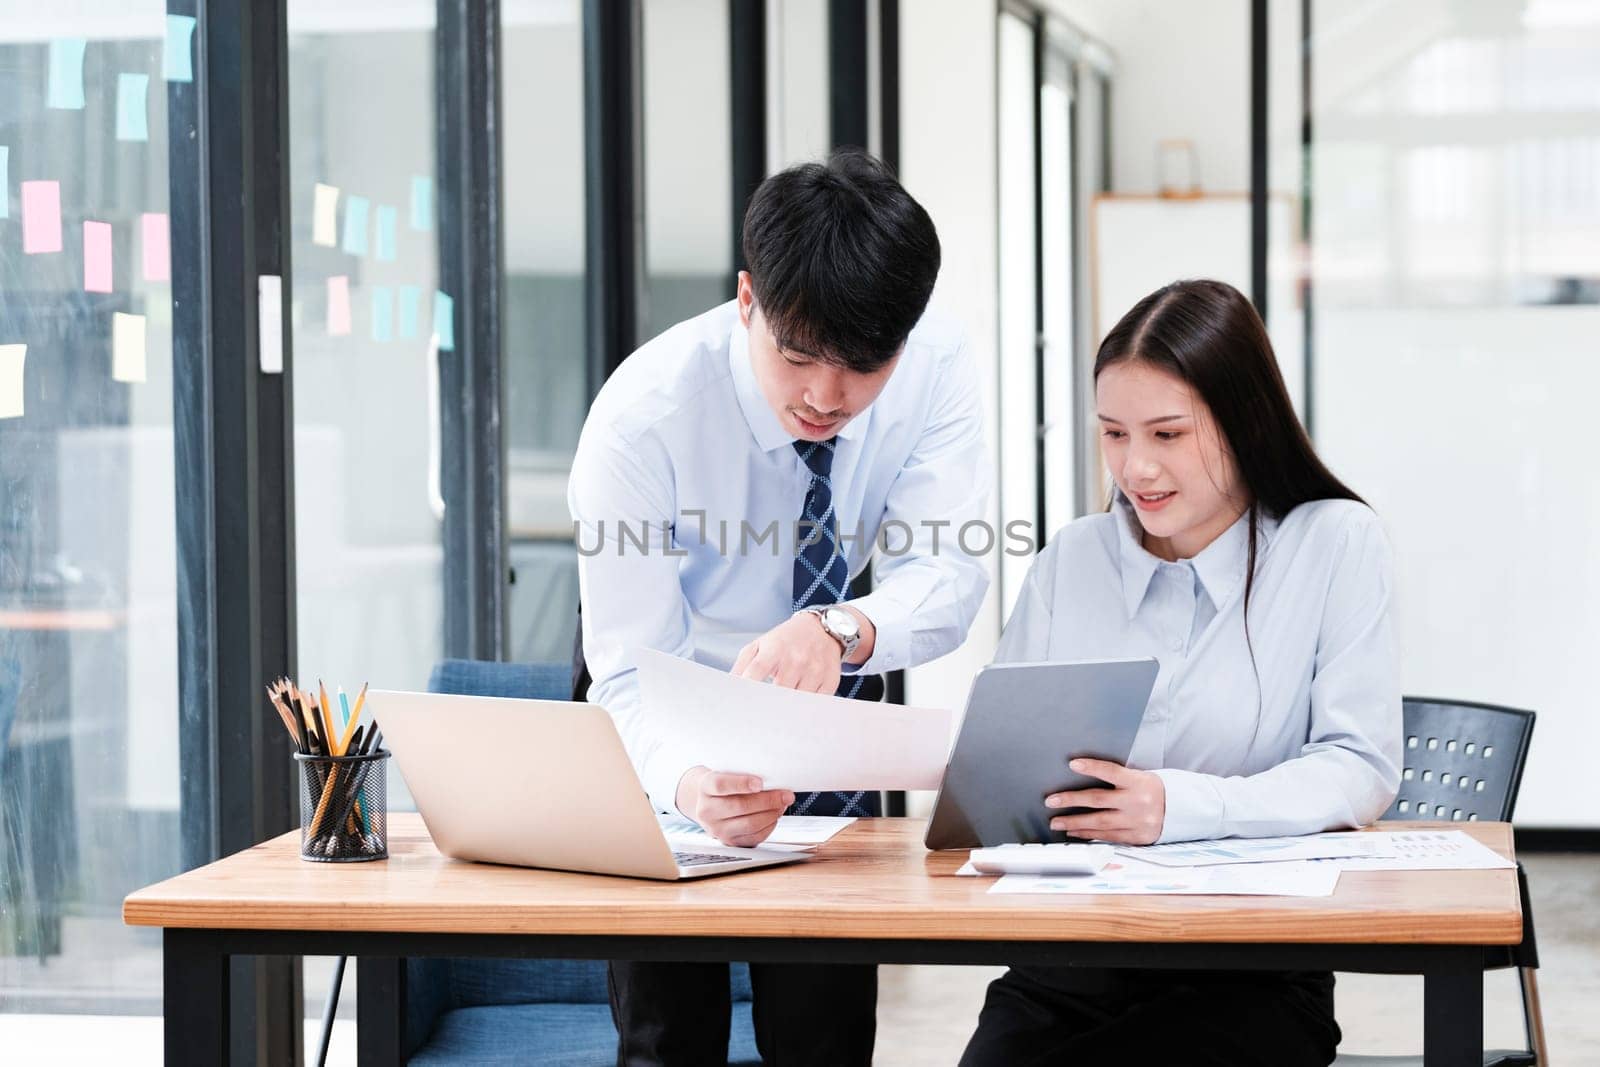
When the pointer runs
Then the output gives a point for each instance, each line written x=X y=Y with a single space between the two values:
x=1024 y=721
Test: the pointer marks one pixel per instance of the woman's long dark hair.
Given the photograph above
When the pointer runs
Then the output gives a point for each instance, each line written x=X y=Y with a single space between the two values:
x=1207 y=334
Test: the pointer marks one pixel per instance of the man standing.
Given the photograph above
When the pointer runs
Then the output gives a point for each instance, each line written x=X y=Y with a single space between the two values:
x=815 y=402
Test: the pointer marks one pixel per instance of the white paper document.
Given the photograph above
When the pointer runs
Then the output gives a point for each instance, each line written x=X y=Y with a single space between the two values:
x=790 y=739
x=794 y=833
x=1428 y=850
x=1126 y=877
x=1261 y=850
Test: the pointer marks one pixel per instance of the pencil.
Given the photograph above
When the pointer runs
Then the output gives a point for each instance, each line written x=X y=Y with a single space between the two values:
x=327 y=717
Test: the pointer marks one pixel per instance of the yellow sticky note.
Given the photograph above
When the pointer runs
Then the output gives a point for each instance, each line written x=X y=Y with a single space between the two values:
x=127 y=347
x=11 y=359
x=324 y=216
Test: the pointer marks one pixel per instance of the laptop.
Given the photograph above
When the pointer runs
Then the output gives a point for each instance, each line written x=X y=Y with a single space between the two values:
x=537 y=783
x=1024 y=721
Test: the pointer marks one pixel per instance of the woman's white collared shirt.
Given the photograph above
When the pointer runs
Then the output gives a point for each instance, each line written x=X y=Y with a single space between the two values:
x=1303 y=736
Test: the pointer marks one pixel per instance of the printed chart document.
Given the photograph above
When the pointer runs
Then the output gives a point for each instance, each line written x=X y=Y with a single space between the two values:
x=794 y=833
x=1427 y=850
x=790 y=739
x=1127 y=877
x=1262 y=849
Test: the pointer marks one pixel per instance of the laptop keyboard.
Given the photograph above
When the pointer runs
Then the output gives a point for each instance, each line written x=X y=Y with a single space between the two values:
x=696 y=859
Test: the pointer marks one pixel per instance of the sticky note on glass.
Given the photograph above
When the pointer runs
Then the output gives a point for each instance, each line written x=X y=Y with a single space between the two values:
x=410 y=311
x=382 y=313
x=11 y=360
x=355 y=225
x=156 y=237
x=177 y=65
x=325 y=215
x=444 y=321
x=97 y=257
x=338 y=306
x=421 y=203
x=133 y=107
x=387 y=221
x=41 y=217
x=127 y=347
x=5 y=182
x=66 y=73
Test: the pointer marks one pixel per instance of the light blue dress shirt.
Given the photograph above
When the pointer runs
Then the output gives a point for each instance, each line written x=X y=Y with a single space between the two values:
x=683 y=451
x=1308 y=738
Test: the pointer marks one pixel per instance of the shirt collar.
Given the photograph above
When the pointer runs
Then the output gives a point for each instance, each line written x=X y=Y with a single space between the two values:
x=1220 y=565
x=763 y=421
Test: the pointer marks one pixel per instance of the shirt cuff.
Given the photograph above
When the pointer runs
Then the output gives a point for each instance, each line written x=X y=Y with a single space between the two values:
x=663 y=786
x=1194 y=807
x=891 y=648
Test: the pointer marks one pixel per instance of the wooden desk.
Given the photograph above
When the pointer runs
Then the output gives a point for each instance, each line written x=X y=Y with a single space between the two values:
x=873 y=894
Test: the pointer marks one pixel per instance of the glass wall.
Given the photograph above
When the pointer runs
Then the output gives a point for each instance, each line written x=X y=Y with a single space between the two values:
x=370 y=330
x=89 y=769
x=546 y=335
x=1455 y=280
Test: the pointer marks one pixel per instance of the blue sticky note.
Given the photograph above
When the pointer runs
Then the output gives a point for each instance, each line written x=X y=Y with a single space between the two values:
x=355 y=225
x=177 y=65
x=66 y=72
x=444 y=320
x=421 y=203
x=386 y=227
x=410 y=311
x=5 y=182
x=382 y=313
x=133 y=108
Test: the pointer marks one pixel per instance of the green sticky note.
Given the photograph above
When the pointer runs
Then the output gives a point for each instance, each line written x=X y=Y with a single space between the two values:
x=387 y=217
x=382 y=313
x=133 y=109
x=410 y=311
x=66 y=73
x=444 y=321
x=355 y=225
x=177 y=65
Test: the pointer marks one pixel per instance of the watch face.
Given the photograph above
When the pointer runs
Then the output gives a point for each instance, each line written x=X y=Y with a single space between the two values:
x=842 y=623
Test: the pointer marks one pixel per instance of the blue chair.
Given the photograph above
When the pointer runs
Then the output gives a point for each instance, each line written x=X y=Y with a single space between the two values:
x=538 y=1013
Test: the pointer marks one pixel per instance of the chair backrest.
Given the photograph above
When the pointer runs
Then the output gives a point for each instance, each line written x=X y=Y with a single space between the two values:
x=1462 y=761
x=486 y=981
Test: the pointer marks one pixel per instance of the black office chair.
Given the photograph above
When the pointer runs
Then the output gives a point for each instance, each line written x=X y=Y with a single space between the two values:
x=1463 y=762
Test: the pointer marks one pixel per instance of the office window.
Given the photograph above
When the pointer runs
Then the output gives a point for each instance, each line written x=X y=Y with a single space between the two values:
x=546 y=336
x=688 y=161
x=370 y=329
x=1455 y=278
x=89 y=768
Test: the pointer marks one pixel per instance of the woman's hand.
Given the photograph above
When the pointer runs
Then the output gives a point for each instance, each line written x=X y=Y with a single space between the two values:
x=1131 y=812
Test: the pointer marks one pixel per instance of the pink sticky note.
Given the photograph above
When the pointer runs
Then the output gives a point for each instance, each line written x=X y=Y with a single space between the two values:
x=97 y=257
x=157 y=248
x=338 y=305
x=41 y=217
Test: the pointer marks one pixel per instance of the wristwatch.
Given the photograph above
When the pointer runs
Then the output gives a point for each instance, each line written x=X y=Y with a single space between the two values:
x=840 y=625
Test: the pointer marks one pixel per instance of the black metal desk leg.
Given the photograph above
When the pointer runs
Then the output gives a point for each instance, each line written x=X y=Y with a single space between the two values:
x=194 y=992
x=380 y=1011
x=1452 y=1010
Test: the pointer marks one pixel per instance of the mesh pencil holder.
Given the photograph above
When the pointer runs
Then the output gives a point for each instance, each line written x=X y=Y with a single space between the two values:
x=343 y=817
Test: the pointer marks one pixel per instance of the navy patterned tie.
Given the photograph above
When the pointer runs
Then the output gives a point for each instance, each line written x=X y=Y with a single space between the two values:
x=821 y=576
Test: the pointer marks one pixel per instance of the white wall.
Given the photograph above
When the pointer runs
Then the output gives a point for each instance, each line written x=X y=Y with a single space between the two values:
x=947 y=151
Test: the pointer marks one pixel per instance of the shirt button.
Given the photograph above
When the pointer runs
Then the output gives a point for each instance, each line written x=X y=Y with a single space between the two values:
x=1177 y=645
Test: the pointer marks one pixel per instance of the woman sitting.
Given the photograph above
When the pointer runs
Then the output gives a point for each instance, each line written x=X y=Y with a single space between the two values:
x=1263 y=585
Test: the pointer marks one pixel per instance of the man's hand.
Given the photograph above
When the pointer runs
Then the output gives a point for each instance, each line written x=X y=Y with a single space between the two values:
x=733 y=808
x=1131 y=812
x=798 y=654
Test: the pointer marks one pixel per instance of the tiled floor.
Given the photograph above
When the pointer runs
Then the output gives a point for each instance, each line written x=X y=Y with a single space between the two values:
x=926 y=1013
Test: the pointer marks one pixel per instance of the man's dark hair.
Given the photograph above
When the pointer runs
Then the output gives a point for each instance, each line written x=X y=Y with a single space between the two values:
x=841 y=258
